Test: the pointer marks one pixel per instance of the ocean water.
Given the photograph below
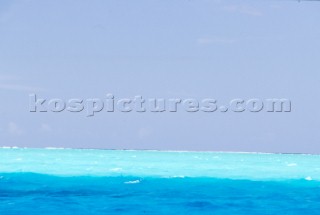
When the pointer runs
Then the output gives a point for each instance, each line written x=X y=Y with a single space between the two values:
x=75 y=181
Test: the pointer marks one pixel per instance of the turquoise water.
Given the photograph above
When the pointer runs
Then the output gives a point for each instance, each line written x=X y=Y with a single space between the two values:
x=68 y=181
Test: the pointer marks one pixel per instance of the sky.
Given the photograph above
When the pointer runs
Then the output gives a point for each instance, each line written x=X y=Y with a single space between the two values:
x=161 y=49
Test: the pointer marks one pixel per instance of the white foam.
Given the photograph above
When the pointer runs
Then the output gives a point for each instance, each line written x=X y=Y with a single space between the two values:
x=132 y=182
x=308 y=178
x=178 y=176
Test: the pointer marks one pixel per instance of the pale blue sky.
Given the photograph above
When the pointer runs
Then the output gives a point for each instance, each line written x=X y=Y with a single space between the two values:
x=161 y=48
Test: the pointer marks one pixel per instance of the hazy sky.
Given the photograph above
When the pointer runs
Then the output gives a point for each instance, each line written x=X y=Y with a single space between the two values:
x=161 y=48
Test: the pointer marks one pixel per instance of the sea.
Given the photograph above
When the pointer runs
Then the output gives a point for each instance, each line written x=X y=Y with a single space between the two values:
x=89 y=181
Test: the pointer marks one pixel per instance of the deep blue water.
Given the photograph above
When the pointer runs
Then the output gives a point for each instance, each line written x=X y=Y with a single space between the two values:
x=27 y=193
